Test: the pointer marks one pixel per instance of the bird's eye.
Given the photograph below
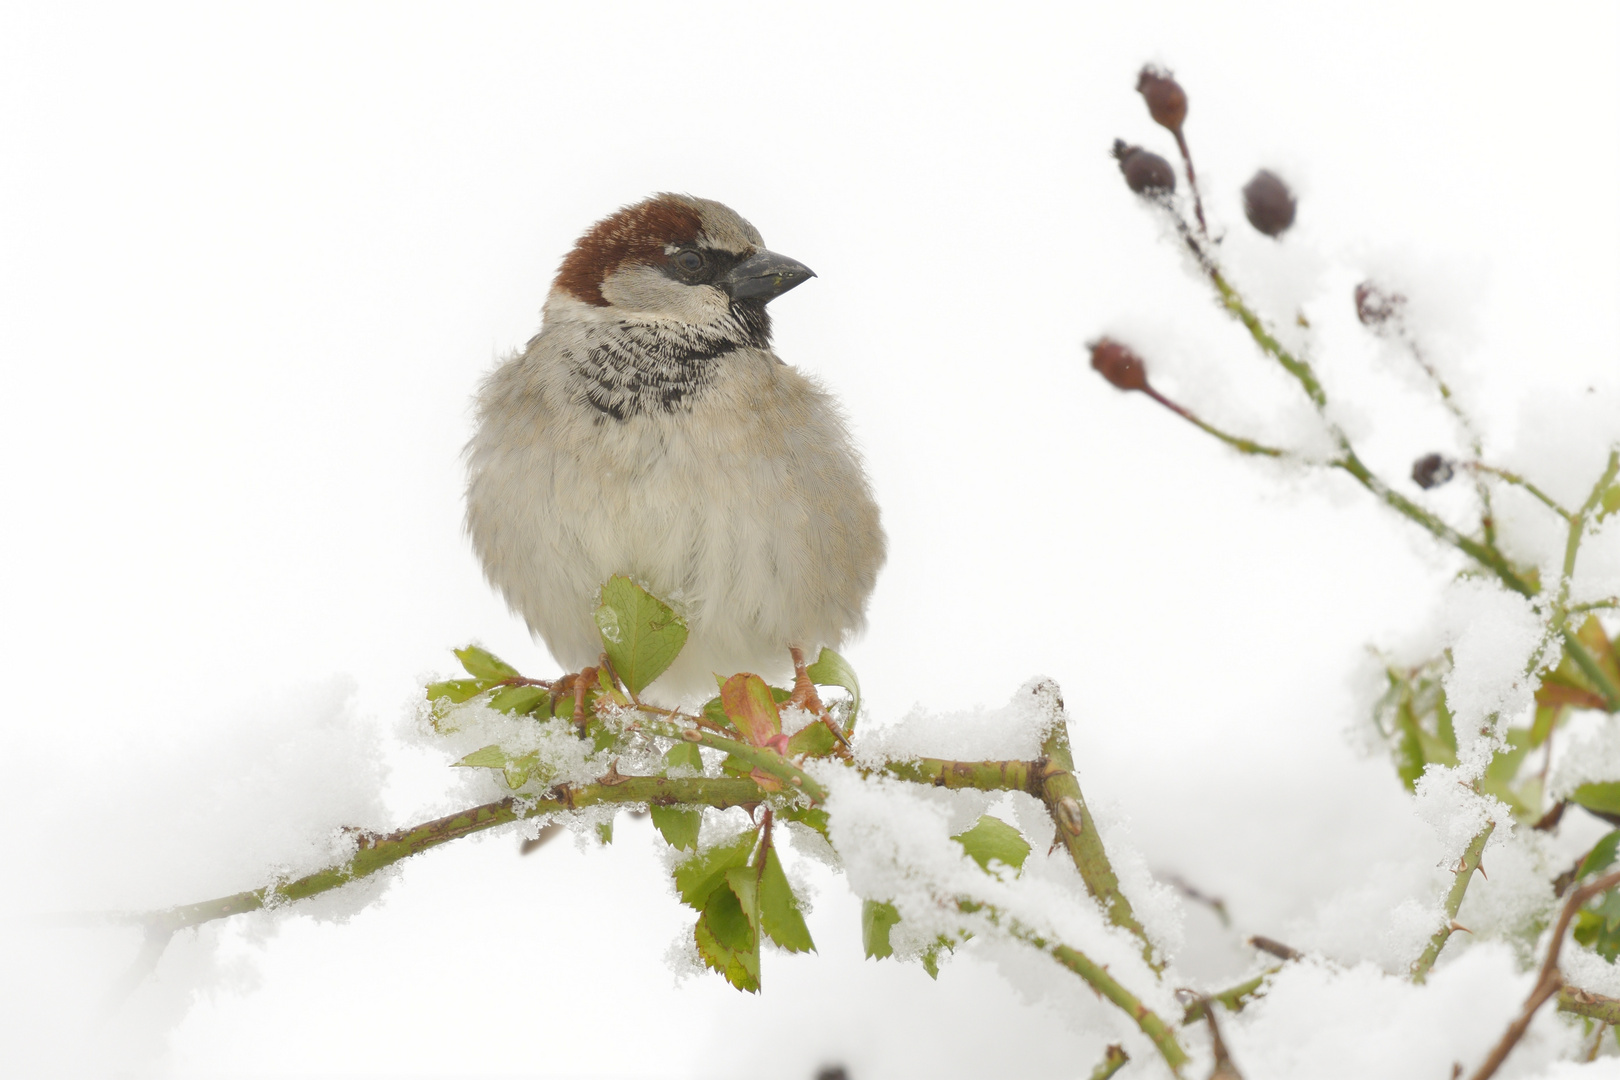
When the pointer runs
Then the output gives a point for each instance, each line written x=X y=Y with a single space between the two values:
x=690 y=261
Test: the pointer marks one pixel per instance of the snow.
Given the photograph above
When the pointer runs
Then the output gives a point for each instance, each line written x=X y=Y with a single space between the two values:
x=239 y=360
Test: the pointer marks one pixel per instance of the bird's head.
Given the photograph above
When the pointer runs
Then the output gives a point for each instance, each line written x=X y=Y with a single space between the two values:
x=677 y=257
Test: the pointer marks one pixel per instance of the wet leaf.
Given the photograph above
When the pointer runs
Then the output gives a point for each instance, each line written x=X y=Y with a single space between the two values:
x=830 y=669
x=726 y=940
x=684 y=755
x=1600 y=857
x=814 y=740
x=482 y=664
x=991 y=838
x=640 y=633
x=877 y=919
x=457 y=690
x=751 y=708
x=521 y=700
x=487 y=757
x=1604 y=798
x=779 y=908
x=677 y=825
x=699 y=876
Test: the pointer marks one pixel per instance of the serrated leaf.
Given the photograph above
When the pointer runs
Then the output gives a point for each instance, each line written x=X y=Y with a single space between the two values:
x=930 y=959
x=779 y=909
x=457 y=690
x=520 y=700
x=1600 y=857
x=830 y=669
x=604 y=832
x=640 y=633
x=992 y=838
x=726 y=940
x=699 y=876
x=679 y=827
x=744 y=882
x=1604 y=798
x=485 y=757
x=483 y=664
x=684 y=755
x=813 y=817
x=751 y=708
x=813 y=740
x=877 y=919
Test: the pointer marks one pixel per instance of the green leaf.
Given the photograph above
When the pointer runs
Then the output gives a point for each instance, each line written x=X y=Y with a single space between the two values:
x=482 y=664
x=752 y=709
x=1599 y=928
x=1604 y=798
x=991 y=838
x=930 y=959
x=457 y=690
x=487 y=757
x=679 y=827
x=1609 y=503
x=779 y=908
x=684 y=755
x=813 y=740
x=604 y=832
x=699 y=876
x=877 y=919
x=521 y=700
x=640 y=633
x=1600 y=857
x=726 y=940
x=814 y=817
x=744 y=882
x=830 y=669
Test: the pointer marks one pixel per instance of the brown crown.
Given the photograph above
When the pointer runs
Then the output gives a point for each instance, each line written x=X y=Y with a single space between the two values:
x=639 y=232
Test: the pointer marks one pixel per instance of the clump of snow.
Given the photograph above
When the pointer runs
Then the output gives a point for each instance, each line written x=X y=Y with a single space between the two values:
x=1586 y=751
x=1014 y=731
x=1320 y=1020
x=1495 y=637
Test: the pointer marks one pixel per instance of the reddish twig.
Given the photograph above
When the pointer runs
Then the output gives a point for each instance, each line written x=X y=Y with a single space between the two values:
x=1549 y=981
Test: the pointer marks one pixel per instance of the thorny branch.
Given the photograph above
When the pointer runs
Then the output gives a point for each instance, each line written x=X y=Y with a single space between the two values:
x=1549 y=981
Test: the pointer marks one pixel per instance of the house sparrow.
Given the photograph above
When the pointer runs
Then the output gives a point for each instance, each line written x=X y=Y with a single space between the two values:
x=649 y=430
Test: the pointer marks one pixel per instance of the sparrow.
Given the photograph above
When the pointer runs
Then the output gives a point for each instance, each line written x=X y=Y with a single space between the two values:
x=650 y=430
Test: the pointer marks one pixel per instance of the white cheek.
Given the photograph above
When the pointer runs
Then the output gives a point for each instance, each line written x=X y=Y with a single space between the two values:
x=645 y=289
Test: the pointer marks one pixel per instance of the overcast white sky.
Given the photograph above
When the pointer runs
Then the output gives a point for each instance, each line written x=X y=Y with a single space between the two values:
x=255 y=259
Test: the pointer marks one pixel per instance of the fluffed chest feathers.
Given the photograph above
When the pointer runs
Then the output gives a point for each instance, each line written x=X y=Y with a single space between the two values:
x=745 y=506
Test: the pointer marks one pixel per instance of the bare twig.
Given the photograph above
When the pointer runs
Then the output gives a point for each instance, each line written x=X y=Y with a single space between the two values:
x=1549 y=981
x=1275 y=948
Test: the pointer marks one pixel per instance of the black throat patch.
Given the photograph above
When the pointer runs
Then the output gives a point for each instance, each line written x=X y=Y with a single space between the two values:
x=632 y=368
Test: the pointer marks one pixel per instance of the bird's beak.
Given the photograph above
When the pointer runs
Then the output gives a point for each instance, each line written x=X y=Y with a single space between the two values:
x=764 y=276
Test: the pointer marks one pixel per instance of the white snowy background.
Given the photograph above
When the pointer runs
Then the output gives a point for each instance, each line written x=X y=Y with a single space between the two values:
x=255 y=259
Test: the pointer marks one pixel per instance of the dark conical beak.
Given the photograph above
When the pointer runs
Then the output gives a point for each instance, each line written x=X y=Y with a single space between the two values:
x=764 y=276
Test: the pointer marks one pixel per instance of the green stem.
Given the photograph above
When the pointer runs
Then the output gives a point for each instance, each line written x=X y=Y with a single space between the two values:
x=1485 y=556
x=1595 y=605
x=1234 y=997
x=1588 y=1004
x=378 y=852
x=762 y=758
x=1114 y=1059
x=1299 y=369
x=978 y=775
x=1519 y=481
x=1060 y=791
x=1454 y=899
x=1242 y=445
x=1162 y=1035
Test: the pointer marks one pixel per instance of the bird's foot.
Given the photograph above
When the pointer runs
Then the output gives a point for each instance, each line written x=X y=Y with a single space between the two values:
x=577 y=684
x=805 y=697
